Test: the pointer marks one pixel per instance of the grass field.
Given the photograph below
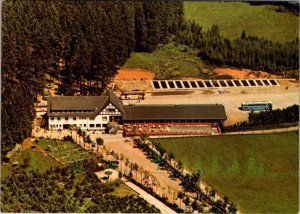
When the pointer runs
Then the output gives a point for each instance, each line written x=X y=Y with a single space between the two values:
x=37 y=161
x=123 y=190
x=234 y=17
x=65 y=151
x=257 y=172
x=170 y=61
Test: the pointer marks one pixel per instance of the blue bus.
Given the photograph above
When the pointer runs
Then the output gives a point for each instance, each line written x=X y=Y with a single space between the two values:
x=256 y=105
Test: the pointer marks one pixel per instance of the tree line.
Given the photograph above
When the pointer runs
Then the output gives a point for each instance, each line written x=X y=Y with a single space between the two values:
x=292 y=6
x=73 y=188
x=275 y=118
x=77 y=41
x=244 y=52
x=190 y=182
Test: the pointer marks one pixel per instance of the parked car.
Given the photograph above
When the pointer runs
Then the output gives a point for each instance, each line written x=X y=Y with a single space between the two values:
x=222 y=91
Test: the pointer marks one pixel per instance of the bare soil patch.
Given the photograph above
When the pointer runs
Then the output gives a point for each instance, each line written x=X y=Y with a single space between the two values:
x=208 y=92
x=28 y=143
x=245 y=73
x=134 y=74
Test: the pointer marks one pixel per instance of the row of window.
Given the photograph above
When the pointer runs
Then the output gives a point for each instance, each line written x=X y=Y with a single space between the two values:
x=75 y=118
x=81 y=125
x=72 y=111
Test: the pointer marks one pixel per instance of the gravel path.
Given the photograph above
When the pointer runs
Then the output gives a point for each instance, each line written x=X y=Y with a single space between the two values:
x=150 y=199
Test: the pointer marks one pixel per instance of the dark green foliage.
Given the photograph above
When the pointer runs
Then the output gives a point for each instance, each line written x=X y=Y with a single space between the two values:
x=60 y=190
x=246 y=51
x=286 y=115
x=289 y=115
x=90 y=39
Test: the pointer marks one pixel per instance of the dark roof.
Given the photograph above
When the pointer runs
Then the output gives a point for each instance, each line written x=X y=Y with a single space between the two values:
x=176 y=112
x=86 y=106
x=76 y=106
x=114 y=99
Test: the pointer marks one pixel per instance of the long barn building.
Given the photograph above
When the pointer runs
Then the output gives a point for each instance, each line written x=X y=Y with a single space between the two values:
x=95 y=112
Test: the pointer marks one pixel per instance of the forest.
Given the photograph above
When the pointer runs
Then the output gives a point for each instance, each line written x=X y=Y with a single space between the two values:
x=245 y=52
x=73 y=188
x=80 y=41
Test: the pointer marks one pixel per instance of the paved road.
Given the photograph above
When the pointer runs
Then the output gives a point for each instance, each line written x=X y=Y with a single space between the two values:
x=150 y=199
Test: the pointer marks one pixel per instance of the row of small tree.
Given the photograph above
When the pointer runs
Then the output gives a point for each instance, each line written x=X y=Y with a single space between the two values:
x=190 y=182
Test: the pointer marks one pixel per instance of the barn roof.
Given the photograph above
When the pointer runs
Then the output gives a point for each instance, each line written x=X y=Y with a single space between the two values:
x=175 y=112
x=87 y=106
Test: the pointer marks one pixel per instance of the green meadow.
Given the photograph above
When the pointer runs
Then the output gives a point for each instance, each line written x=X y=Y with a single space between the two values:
x=234 y=17
x=258 y=172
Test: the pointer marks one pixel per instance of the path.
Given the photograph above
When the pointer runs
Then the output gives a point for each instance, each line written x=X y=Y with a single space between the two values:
x=150 y=199
x=136 y=155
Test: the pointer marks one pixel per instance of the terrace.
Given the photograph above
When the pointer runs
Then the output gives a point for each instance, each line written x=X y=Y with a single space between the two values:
x=180 y=128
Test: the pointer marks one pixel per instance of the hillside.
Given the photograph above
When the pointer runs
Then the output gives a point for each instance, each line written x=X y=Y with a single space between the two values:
x=234 y=17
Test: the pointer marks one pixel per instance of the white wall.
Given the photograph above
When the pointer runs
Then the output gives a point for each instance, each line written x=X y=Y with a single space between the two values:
x=83 y=123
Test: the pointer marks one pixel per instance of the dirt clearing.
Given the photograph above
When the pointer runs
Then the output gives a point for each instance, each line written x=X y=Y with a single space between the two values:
x=244 y=73
x=134 y=74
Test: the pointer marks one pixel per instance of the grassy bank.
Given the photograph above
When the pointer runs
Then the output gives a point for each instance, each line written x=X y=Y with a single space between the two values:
x=35 y=160
x=234 y=17
x=170 y=61
x=258 y=172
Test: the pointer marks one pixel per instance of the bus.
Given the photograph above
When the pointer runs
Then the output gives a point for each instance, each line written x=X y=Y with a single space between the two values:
x=256 y=105
x=127 y=94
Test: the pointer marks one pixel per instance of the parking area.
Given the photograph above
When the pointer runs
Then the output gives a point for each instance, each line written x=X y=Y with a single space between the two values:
x=201 y=84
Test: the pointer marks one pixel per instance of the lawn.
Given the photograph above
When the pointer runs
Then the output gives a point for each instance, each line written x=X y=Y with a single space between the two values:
x=64 y=151
x=257 y=172
x=234 y=17
x=37 y=161
x=170 y=61
x=123 y=190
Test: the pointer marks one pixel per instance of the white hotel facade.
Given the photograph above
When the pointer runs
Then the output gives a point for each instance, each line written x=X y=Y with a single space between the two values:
x=85 y=112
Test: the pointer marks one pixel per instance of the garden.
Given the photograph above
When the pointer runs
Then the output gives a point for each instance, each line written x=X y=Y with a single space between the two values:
x=64 y=151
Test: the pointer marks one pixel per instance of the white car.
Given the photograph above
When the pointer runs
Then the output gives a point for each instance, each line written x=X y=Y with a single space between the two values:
x=222 y=91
